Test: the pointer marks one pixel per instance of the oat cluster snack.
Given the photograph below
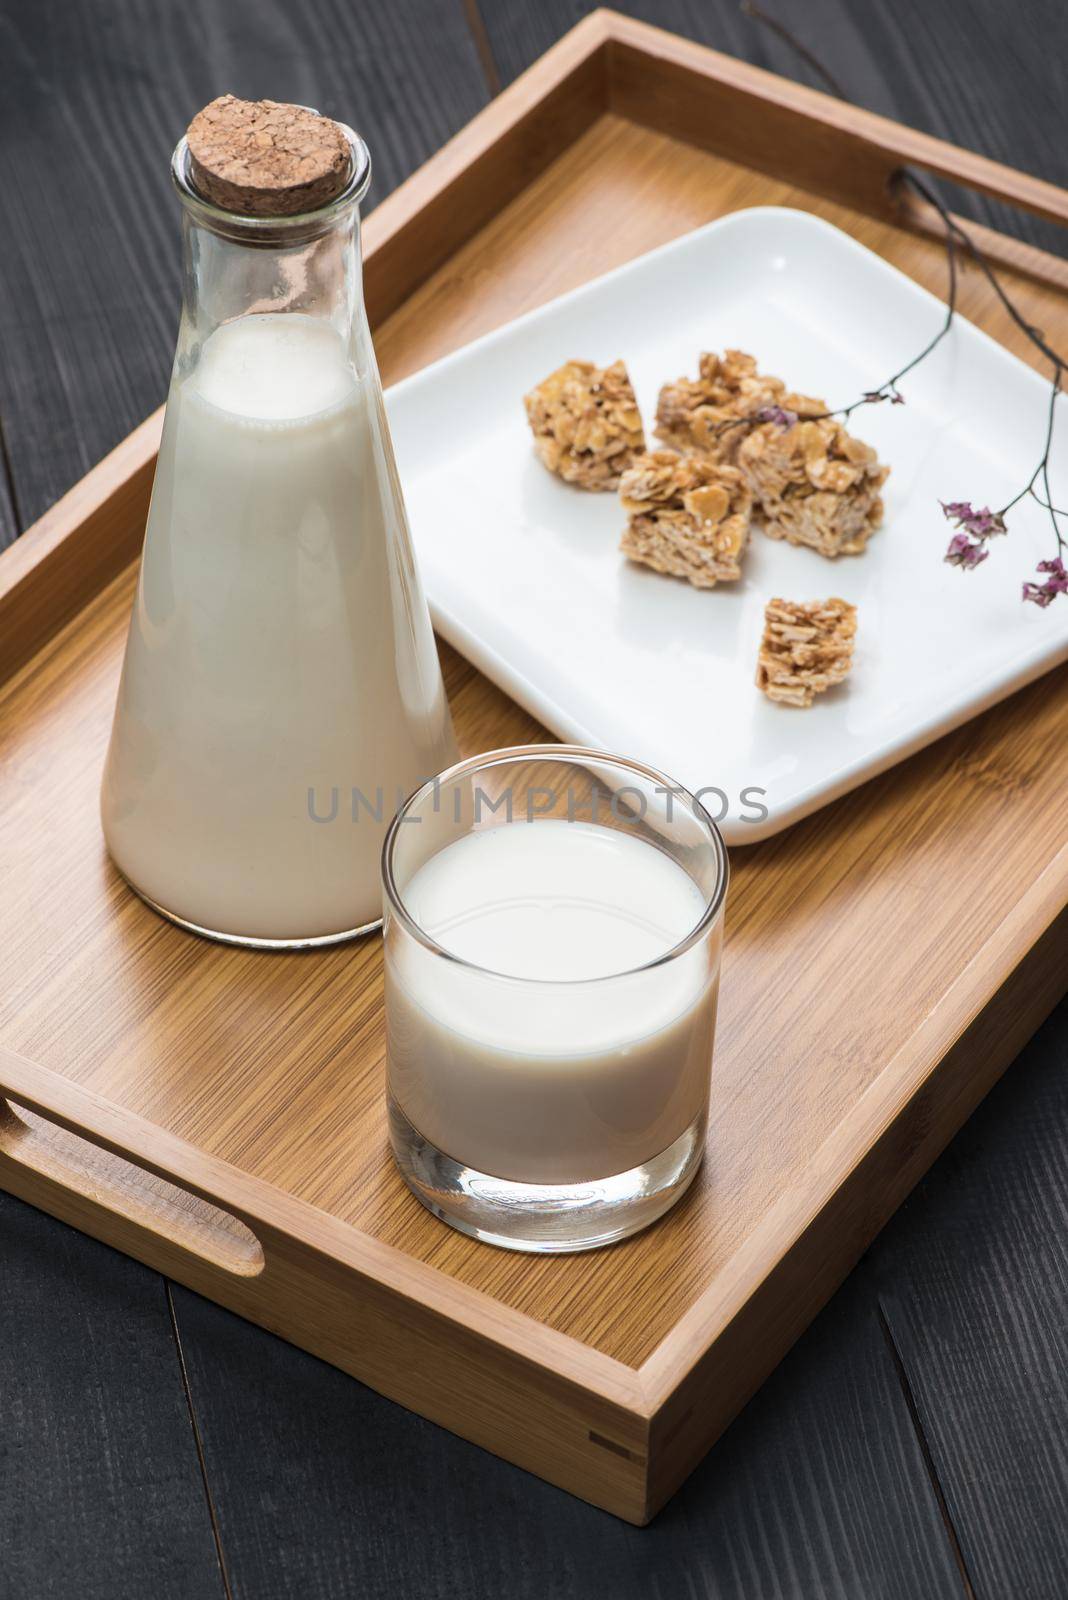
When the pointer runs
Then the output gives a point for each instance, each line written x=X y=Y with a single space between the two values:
x=586 y=423
x=807 y=647
x=815 y=484
x=738 y=441
x=686 y=517
x=705 y=416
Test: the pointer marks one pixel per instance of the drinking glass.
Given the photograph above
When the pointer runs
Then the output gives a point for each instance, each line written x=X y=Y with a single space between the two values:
x=544 y=1095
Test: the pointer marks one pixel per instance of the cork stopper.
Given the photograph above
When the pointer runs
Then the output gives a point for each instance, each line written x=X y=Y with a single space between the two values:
x=261 y=158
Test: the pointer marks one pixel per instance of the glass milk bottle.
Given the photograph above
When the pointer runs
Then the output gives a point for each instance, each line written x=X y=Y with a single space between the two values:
x=281 y=692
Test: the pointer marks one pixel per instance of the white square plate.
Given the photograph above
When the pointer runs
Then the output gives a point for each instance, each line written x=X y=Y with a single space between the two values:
x=524 y=575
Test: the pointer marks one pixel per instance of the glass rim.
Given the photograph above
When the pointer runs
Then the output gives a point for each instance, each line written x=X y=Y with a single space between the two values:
x=559 y=752
x=299 y=227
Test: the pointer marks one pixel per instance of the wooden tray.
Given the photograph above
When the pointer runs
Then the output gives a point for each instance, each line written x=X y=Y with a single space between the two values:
x=219 y=1114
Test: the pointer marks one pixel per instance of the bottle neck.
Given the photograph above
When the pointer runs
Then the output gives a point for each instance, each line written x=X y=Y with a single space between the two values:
x=236 y=266
x=225 y=279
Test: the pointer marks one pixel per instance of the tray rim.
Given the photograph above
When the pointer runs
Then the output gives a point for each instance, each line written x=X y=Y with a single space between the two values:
x=80 y=546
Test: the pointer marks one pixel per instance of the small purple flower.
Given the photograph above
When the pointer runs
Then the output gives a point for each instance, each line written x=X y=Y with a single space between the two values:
x=897 y=398
x=782 y=418
x=964 y=552
x=1056 y=583
x=873 y=396
x=982 y=524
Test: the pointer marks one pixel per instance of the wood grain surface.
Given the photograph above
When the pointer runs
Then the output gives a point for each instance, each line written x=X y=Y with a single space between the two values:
x=275 y=1065
x=793 y=1528
x=100 y=1487
x=820 y=1489
x=979 y=1311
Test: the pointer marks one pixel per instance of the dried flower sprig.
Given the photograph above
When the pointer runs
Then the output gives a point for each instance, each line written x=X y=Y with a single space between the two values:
x=784 y=418
x=967 y=547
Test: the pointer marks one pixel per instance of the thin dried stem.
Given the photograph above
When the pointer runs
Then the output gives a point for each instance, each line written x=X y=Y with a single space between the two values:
x=968 y=546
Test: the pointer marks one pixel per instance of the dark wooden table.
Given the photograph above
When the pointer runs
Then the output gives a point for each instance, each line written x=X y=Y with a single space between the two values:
x=913 y=1444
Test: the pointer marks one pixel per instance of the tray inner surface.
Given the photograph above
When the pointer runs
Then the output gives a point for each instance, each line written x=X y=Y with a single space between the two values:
x=843 y=933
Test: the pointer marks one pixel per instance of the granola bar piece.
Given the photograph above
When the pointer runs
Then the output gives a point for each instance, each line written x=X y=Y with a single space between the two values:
x=586 y=423
x=706 y=416
x=687 y=517
x=815 y=484
x=807 y=647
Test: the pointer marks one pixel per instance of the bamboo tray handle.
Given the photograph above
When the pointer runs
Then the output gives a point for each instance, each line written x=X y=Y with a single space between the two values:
x=92 y=1162
x=314 y=1279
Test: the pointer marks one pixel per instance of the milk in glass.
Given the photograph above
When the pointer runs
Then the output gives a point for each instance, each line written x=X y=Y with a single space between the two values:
x=544 y=1074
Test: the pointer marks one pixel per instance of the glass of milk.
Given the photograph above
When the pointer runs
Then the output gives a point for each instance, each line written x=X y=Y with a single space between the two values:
x=553 y=928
